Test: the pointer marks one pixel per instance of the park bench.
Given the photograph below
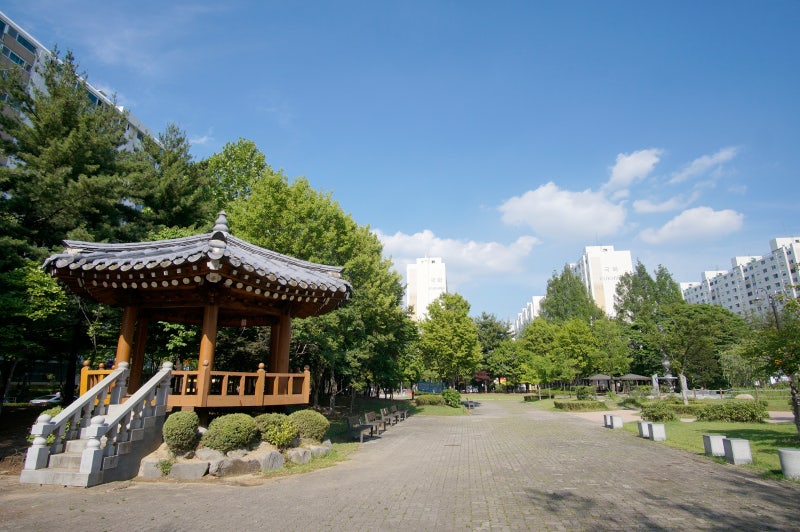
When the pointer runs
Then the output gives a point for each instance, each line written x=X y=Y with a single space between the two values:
x=357 y=430
x=389 y=417
x=372 y=420
x=402 y=413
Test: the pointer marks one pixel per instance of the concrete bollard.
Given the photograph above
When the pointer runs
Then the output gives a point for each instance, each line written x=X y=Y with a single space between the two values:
x=658 y=432
x=737 y=451
x=616 y=422
x=712 y=443
x=644 y=429
x=790 y=462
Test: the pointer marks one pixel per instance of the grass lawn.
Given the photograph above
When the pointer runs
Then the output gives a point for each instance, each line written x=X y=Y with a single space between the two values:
x=765 y=440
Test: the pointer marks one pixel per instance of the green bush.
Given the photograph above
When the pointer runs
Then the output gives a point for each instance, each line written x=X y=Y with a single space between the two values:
x=428 y=400
x=686 y=410
x=451 y=398
x=734 y=411
x=310 y=424
x=278 y=429
x=580 y=406
x=180 y=432
x=658 y=412
x=582 y=393
x=231 y=431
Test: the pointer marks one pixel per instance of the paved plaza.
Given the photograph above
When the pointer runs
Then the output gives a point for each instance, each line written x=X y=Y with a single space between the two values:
x=508 y=466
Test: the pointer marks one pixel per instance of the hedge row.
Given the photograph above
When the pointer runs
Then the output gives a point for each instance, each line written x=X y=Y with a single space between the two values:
x=580 y=406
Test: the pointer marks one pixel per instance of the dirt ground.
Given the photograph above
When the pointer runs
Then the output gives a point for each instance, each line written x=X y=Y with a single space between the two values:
x=15 y=425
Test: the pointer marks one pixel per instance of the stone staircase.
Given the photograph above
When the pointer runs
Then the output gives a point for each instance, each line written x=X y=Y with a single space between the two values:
x=108 y=441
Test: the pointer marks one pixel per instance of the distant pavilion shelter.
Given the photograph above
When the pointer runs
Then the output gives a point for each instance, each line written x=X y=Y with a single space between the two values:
x=213 y=280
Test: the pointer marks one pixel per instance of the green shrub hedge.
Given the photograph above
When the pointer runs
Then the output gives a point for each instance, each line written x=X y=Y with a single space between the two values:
x=310 y=424
x=428 y=400
x=278 y=429
x=231 y=431
x=658 y=412
x=180 y=432
x=580 y=406
x=734 y=411
x=451 y=398
x=582 y=393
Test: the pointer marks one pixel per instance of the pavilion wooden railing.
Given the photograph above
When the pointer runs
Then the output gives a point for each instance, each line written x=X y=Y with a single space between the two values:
x=202 y=388
x=209 y=389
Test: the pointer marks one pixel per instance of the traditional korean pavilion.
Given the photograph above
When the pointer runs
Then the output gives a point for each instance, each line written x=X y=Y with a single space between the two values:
x=213 y=280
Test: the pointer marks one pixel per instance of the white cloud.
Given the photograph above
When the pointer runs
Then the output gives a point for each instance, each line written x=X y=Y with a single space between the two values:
x=202 y=140
x=557 y=213
x=464 y=260
x=703 y=164
x=673 y=204
x=632 y=167
x=699 y=223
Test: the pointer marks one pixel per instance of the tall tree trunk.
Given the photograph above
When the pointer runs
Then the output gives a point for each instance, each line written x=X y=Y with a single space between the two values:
x=795 y=401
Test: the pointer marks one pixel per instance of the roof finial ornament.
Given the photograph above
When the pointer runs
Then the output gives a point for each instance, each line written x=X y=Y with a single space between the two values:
x=221 y=224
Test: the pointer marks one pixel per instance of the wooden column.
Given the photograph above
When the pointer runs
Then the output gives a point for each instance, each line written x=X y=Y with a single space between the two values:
x=209 y=338
x=126 y=333
x=137 y=365
x=284 y=337
x=274 y=336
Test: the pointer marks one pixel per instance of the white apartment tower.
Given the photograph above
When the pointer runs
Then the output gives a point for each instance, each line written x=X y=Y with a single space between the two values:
x=600 y=268
x=747 y=287
x=19 y=48
x=426 y=280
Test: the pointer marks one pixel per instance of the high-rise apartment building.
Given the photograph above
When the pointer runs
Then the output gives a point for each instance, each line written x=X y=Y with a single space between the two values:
x=18 y=47
x=600 y=268
x=527 y=315
x=426 y=280
x=753 y=282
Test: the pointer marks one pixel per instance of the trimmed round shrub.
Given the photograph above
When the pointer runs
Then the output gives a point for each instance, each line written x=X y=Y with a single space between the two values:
x=180 y=432
x=658 y=412
x=311 y=424
x=451 y=398
x=278 y=429
x=231 y=431
x=582 y=393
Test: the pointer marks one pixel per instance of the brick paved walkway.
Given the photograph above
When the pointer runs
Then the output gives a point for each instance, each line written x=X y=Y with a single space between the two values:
x=506 y=467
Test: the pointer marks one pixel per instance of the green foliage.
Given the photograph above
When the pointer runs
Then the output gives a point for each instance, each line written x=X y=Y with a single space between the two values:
x=180 y=432
x=451 y=397
x=424 y=399
x=449 y=338
x=278 y=429
x=165 y=466
x=231 y=431
x=52 y=412
x=734 y=411
x=659 y=412
x=582 y=393
x=580 y=406
x=567 y=298
x=235 y=170
x=310 y=424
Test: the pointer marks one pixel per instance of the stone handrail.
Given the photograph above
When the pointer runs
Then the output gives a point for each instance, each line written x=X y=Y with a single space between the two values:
x=125 y=426
x=67 y=424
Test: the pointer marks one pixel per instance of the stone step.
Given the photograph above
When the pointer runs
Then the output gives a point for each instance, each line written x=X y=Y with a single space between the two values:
x=70 y=461
x=60 y=477
x=75 y=446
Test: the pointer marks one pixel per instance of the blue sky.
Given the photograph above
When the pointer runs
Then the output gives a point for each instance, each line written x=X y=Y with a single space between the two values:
x=501 y=136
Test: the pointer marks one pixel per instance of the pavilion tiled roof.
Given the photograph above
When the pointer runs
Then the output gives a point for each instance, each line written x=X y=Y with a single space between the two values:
x=174 y=279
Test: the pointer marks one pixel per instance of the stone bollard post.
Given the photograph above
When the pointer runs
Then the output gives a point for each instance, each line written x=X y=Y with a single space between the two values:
x=712 y=443
x=644 y=429
x=737 y=451
x=658 y=432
